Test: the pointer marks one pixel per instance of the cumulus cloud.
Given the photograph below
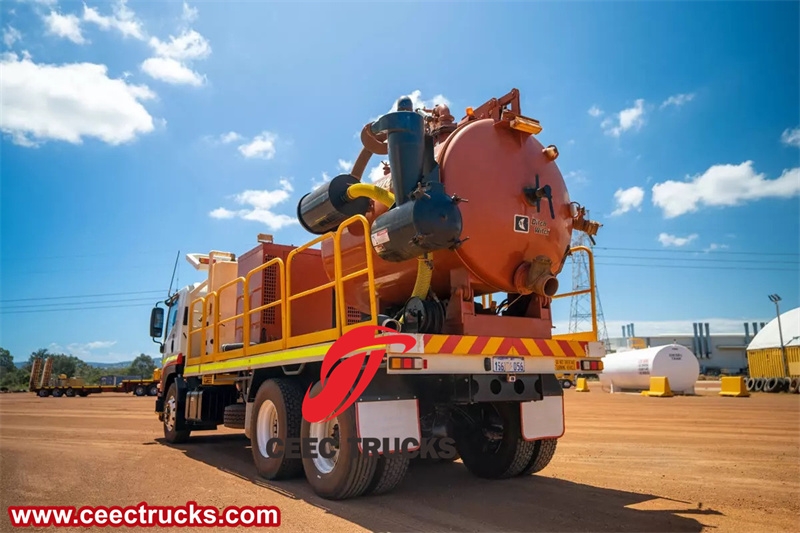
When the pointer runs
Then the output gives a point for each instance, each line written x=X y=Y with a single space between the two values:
x=171 y=71
x=122 y=19
x=317 y=184
x=67 y=26
x=628 y=199
x=81 y=349
x=261 y=146
x=595 y=111
x=576 y=177
x=673 y=240
x=791 y=137
x=230 y=137
x=259 y=206
x=11 y=35
x=677 y=100
x=172 y=58
x=628 y=119
x=345 y=166
x=87 y=103
x=721 y=186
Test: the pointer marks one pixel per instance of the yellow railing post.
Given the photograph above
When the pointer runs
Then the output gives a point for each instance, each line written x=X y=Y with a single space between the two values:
x=591 y=290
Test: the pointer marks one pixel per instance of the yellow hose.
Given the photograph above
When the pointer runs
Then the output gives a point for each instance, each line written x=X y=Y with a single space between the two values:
x=424 y=274
x=364 y=190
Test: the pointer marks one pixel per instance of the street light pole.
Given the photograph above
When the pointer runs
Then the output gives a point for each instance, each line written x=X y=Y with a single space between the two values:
x=774 y=298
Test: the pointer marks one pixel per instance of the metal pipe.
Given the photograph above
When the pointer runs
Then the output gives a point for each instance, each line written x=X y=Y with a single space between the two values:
x=746 y=333
x=695 y=348
x=708 y=342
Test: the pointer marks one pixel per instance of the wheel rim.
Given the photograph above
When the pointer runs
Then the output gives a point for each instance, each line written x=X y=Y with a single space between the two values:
x=326 y=430
x=266 y=425
x=170 y=410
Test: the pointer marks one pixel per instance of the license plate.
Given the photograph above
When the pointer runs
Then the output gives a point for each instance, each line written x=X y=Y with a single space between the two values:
x=565 y=364
x=508 y=365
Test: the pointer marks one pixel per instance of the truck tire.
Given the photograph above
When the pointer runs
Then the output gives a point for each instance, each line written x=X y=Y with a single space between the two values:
x=69 y=393
x=234 y=416
x=500 y=457
x=793 y=386
x=172 y=416
x=389 y=473
x=350 y=472
x=567 y=384
x=43 y=393
x=759 y=385
x=543 y=453
x=139 y=390
x=57 y=393
x=277 y=412
x=153 y=390
x=750 y=384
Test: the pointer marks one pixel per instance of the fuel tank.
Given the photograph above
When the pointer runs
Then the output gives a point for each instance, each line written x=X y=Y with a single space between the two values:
x=517 y=217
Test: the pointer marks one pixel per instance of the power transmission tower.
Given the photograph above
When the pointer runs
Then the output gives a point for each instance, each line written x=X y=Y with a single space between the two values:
x=580 y=312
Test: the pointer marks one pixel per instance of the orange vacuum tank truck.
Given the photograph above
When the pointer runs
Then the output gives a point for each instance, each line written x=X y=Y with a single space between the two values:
x=465 y=210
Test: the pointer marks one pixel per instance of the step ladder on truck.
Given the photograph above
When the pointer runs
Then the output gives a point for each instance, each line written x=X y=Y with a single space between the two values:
x=381 y=336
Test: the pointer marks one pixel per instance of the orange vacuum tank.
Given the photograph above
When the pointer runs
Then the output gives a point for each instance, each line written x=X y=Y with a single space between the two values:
x=517 y=217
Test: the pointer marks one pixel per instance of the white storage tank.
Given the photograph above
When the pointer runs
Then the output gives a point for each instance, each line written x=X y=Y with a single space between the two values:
x=631 y=370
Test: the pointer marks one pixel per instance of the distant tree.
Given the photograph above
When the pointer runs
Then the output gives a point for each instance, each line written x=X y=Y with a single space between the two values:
x=142 y=366
x=6 y=362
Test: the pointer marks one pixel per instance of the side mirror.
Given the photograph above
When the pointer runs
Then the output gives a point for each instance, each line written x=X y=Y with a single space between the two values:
x=157 y=322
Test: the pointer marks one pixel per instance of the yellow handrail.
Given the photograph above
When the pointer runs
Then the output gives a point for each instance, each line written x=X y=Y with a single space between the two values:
x=341 y=278
x=193 y=331
x=281 y=343
x=590 y=290
x=220 y=321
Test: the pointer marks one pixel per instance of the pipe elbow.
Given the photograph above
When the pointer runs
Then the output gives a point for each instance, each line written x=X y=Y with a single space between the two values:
x=365 y=190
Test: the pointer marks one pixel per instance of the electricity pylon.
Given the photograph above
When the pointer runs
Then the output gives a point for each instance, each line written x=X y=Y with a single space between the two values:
x=580 y=311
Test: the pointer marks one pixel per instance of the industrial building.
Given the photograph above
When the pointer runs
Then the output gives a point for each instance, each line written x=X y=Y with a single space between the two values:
x=724 y=353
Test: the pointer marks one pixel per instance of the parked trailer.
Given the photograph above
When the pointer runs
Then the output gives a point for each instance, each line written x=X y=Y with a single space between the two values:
x=42 y=384
x=465 y=211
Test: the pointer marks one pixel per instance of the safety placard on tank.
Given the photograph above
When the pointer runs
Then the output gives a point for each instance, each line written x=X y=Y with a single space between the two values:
x=522 y=224
x=380 y=237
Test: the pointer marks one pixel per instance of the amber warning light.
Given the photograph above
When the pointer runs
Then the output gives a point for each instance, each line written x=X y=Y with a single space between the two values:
x=591 y=365
x=407 y=363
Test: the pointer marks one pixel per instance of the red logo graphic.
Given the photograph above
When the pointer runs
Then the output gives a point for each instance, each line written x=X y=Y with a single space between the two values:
x=333 y=399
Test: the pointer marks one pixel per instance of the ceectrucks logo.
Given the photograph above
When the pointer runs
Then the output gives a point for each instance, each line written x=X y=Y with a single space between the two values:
x=343 y=379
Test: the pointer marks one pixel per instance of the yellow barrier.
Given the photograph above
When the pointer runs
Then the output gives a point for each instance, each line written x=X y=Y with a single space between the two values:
x=734 y=386
x=659 y=387
x=582 y=385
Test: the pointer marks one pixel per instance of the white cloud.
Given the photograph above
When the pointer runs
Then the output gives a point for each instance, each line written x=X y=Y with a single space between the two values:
x=627 y=119
x=260 y=206
x=317 y=184
x=576 y=177
x=345 y=166
x=67 y=26
x=418 y=102
x=714 y=246
x=677 y=100
x=230 y=137
x=262 y=146
x=628 y=199
x=171 y=71
x=595 y=111
x=187 y=46
x=723 y=185
x=81 y=349
x=11 y=35
x=673 y=240
x=172 y=57
x=791 y=137
x=189 y=13
x=87 y=103
x=376 y=173
x=123 y=20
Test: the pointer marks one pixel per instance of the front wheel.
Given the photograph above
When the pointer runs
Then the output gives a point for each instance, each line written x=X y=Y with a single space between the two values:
x=172 y=416
x=489 y=441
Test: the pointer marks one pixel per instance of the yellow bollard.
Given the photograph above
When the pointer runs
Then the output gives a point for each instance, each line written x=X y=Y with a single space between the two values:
x=734 y=386
x=582 y=385
x=659 y=387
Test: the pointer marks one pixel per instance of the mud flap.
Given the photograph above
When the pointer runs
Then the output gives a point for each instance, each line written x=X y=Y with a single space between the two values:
x=543 y=419
x=389 y=422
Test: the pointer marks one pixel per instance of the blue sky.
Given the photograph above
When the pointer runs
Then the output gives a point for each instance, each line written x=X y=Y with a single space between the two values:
x=132 y=131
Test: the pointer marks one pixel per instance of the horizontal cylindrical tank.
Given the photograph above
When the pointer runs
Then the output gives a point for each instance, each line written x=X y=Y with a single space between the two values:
x=632 y=370
x=508 y=230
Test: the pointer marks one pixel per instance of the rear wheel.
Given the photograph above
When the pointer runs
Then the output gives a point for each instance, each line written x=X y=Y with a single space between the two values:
x=57 y=393
x=233 y=416
x=389 y=473
x=172 y=417
x=543 y=452
x=489 y=441
x=277 y=412
x=69 y=393
x=566 y=384
x=153 y=390
x=340 y=470
x=139 y=390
